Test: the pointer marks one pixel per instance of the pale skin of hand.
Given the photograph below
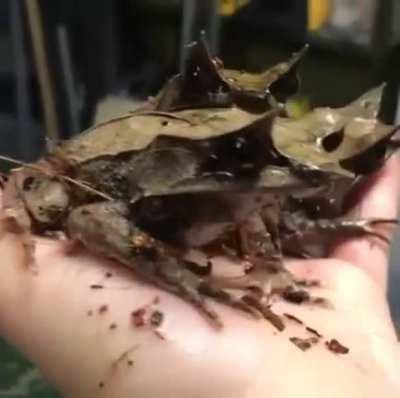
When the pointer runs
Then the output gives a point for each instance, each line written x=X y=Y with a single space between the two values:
x=45 y=314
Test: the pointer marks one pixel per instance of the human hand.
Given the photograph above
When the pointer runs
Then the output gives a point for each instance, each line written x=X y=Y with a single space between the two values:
x=86 y=344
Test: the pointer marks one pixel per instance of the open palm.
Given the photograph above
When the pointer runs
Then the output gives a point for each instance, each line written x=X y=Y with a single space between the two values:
x=85 y=322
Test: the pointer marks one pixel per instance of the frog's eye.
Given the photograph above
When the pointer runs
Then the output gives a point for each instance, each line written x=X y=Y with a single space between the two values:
x=332 y=141
x=240 y=143
x=243 y=148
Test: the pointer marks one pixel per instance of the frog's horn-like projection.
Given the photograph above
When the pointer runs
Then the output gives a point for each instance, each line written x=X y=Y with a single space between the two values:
x=342 y=140
x=205 y=82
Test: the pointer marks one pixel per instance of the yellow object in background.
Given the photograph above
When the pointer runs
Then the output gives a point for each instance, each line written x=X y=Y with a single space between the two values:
x=318 y=13
x=298 y=106
x=229 y=7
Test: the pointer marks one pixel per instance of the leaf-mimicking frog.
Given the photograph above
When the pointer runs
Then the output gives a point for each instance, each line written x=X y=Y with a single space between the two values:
x=214 y=158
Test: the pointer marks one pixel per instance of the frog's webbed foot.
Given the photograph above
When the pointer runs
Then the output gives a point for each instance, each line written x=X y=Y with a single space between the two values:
x=304 y=231
x=360 y=227
x=106 y=228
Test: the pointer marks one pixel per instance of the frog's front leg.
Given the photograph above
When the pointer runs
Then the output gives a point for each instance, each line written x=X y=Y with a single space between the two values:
x=107 y=229
x=260 y=250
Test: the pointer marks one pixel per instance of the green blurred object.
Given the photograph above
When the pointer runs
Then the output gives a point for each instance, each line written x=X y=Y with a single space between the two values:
x=19 y=378
x=298 y=106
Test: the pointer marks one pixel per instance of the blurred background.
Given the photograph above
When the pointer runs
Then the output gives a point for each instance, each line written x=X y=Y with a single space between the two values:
x=68 y=63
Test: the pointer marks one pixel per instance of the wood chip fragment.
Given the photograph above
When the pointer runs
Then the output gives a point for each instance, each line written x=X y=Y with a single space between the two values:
x=96 y=287
x=156 y=318
x=336 y=347
x=293 y=318
x=103 y=308
x=138 y=317
x=304 y=344
x=314 y=332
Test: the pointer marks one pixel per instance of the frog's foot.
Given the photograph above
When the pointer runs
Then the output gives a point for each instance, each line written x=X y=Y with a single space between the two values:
x=172 y=276
x=362 y=227
x=261 y=283
x=106 y=228
x=297 y=242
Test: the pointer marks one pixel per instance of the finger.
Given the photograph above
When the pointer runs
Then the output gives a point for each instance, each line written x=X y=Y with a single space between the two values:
x=379 y=200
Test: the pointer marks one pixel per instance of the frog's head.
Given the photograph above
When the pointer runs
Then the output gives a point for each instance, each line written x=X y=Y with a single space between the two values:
x=33 y=198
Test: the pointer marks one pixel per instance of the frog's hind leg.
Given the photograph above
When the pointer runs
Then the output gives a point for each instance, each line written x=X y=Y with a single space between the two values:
x=106 y=228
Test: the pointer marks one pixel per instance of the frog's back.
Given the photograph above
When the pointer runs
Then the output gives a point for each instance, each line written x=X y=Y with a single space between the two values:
x=136 y=131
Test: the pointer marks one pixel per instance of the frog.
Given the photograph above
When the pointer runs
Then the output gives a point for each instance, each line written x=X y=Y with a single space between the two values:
x=146 y=187
x=141 y=190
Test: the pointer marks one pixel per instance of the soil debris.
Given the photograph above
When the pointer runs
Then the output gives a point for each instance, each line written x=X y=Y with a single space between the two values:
x=156 y=318
x=293 y=318
x=314 y=332
x=95 y=287
x=138 y=317
x=304 y=344
x=336 y=347
x=103 y=309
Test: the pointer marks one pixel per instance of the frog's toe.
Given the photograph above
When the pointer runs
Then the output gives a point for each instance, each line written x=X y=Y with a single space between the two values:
x=172 y=276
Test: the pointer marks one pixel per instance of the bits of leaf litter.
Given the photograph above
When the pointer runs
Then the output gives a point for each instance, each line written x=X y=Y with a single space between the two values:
x=103 y=308
x=314 y=332
x=156 y=318
x=293 y=318
x=138 y=317
x=295 y=296
x=334 y=346
x=304 y=344
x=96 y=286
